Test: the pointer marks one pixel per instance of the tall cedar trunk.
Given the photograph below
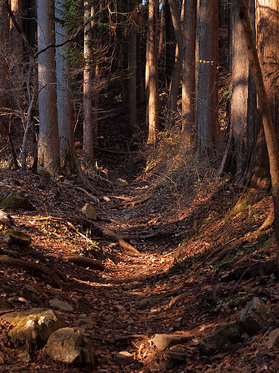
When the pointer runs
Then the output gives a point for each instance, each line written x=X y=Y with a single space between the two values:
x=188 y=69
x=269 y=130
x=87 y=87
x=4 y=31
x=132 y=60
x=207 y=76
x=176 y=74
x=48 y=144
x=152 y=118
x=64 y=98
x=240 y=74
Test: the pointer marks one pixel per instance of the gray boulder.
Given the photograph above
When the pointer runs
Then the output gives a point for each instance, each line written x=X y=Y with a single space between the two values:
x=32 y=327
x=71 y=346
x=16 y=200
x=256 y=316
x=228 y=333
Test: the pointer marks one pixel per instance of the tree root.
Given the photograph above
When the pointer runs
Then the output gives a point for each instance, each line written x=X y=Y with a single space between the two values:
x=81 y=260
x=56 y=276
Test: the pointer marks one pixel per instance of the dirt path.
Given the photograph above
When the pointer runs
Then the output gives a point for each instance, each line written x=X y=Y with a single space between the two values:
x=137 y=296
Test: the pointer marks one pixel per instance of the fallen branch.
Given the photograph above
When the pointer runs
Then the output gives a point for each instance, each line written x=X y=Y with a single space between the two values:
x=81 y=260
x=54 y=275
x=111 y=234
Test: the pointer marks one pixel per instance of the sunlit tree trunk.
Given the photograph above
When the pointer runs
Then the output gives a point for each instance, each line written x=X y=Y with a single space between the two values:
x=48 y=144
x=240 y=74
x=267 y=28
x=88 y=139
x=188 y=69
x=16 y=38
x=207 y=76
x=152 y=118
x=264 y=106
x=64 y=98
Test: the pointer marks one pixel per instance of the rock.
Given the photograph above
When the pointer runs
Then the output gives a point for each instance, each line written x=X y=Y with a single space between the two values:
x=59 y=304
x=14 y=237
x=16 y=200
x=42 y=171
x=163 y=341
x=256 y=316
x=273 y=339
x=71 y=346
x=227 y=333
x=89 y=211
x=33 y=326
x=124 y=358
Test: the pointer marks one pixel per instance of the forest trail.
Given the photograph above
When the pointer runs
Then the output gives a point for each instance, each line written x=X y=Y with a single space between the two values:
x=140 y=295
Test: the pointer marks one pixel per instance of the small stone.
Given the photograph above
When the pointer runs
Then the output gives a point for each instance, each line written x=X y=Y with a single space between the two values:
x=163 y=341
x=5 y=218
x=70 y=346
x=63 y=306
x=124 y=358
x=89 y=211
x=273 y=339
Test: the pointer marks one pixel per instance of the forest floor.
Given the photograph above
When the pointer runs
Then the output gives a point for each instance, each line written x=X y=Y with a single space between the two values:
x=187 y=245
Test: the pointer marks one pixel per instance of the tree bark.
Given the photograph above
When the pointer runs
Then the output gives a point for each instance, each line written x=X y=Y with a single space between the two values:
x=4 y=31
x=188 y=69
x=264 y=107
x=48 y=144
x=152 y=118
x=132 y=61
x=240 y=74
x=64 y=99
x=88 y=140
x=207 y=76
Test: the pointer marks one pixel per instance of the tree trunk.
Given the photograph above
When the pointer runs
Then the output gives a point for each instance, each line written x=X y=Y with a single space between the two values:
x=132 y=85
x=240 y=74
x=268 y=125
x=188 y=69
x=267 y=27
x=4 y=102
x=176 y=74
x=207 y=76
x=48 y=144
x=152 y=118
x=87 y=87
x=64 y=99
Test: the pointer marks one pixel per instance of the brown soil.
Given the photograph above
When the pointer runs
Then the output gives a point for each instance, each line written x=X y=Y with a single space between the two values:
x=186 y=244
